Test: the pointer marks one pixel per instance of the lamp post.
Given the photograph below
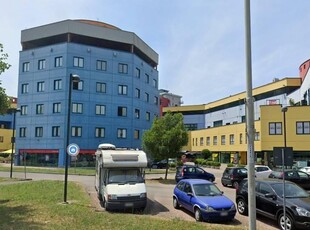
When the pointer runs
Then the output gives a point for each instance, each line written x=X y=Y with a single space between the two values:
x=14 y=111
x=284 y=110
x=73 y=78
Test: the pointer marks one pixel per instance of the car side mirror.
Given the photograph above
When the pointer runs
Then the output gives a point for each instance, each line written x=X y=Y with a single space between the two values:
x=270 y=195
x=190 y=194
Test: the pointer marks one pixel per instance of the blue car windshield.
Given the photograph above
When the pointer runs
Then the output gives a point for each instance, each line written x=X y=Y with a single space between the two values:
x=291 y=190
x=206 y=190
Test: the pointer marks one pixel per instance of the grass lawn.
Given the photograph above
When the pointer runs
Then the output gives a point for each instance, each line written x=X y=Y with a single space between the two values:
x=38 y=205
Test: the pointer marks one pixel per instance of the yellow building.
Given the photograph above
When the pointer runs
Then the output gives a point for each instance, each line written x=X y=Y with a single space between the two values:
x=6 y=129
x=220 y=126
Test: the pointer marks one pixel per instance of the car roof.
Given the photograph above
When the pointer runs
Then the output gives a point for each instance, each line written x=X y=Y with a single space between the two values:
x=270 y=180
x=196 y=181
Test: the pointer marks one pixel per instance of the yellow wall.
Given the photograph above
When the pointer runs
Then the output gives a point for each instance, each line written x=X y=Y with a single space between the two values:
x=6 y=134
x=266 y=142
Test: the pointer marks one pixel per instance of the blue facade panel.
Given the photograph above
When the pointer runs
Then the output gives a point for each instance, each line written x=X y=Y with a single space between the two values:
x=43 y=99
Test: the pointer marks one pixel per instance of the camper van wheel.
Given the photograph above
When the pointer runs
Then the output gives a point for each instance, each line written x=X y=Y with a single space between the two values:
x=104 y=205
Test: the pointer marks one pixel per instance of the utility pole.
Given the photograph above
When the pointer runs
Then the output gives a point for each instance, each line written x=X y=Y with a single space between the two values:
x=250 y=120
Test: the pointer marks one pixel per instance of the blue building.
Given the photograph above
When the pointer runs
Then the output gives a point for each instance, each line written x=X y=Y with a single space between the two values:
x=115 y=100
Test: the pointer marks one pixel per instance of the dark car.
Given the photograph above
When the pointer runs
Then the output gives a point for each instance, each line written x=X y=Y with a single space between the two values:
x=233 y=176
x=163 y=163
x=269 y=202
x=192 y=172
x=299 y=177
x=204 y=199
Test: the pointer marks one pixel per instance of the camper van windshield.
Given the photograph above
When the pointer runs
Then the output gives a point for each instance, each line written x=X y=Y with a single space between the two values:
x=123 y=176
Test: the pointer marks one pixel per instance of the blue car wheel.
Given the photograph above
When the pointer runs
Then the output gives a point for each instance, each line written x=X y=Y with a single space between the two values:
x=176 y=203
x=197 y=214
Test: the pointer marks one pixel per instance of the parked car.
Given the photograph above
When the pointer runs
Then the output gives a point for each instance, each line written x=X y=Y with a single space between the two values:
x=192 y=172
x=305 y=169
x=262 y=171
x=299 y=177
x=269 y=202
x=233 y=176
x=204 y=199
x=163 y=163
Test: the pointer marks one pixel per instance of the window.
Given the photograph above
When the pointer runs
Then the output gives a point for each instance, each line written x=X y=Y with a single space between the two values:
x=217 y=123
x=101 y=87
x=147 y=116
x=240 y=138
x=137 y=113
x=303 y=127
x=39 y=132
x=122 y=89
x=137 y=93
x=101 y=65
x=25 y=88
x=40 y=86
x=39 y=108
x=22 y=132
x=78 y=62
x=146 y=97
x=232 y=139
x=57 y=107
x=223 y=140
x=24 y=110
x=208 y=141
x=58 y=61
x=100 y=132
x=137 y=73
x=76 y=131
x=154 y=83
x=136 y=134
x=190 y=126
x=122 y=68
x=77 y=108
x=147 y=78
x=58 y=84
x=275 y=128
x=214 y=140
x=121 y=133
x=1 y=139
x=122 y=111
x=26 y=67
x=41 y=64
x=256 y=136
x=78 y=85
x=56 y=131
x=100 y=109
x=156 y=100
x=201 y=141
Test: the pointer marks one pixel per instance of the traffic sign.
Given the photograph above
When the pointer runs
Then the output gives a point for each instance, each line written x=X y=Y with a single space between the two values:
x=73 y=149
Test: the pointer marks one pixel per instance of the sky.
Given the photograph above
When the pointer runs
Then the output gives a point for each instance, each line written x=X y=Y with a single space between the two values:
x=200 y=43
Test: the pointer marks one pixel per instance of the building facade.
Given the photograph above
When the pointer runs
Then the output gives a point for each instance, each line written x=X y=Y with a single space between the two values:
x=220 y=126
x=114 y=102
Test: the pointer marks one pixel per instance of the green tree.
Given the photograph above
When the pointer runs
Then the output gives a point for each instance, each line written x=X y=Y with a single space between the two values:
x=4 y=101
x=206 y=153
x=166 y=137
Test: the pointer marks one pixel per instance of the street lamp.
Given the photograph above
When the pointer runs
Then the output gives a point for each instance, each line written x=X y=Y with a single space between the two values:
x=14 y=111
x=284 y=110
x=73 y=78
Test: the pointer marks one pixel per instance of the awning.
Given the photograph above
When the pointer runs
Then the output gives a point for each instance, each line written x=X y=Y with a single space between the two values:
x=8 y=151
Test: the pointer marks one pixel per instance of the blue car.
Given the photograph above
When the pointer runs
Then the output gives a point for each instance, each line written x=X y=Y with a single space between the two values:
x=204 y=199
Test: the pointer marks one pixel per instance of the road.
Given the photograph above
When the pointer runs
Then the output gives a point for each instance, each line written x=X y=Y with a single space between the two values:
x=159 y=196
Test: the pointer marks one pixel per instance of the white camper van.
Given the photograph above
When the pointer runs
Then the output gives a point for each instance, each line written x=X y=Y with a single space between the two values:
x=120 y=177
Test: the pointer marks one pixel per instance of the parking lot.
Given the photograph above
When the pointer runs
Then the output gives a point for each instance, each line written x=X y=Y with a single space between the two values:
x=159 y=196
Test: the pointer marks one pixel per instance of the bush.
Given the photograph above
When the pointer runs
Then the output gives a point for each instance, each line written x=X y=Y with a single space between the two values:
x=216 y=164
x=172 y=165
x=200 y=161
